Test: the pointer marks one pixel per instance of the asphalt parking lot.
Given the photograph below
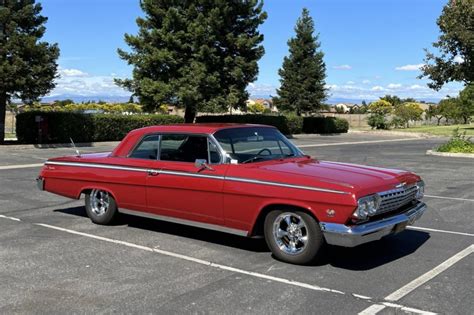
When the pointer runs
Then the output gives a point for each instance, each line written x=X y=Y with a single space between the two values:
x=54 y=260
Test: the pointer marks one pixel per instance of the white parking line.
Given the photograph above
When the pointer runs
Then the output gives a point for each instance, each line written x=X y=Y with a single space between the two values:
x=356 y=142
x=9 y=218
x=403 y=291
x=439 y=231
x=228 y=268
x=12 y=167
x=448 y=198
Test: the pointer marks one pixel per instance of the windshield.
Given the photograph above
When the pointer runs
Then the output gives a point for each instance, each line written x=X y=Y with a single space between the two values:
x=253 y=144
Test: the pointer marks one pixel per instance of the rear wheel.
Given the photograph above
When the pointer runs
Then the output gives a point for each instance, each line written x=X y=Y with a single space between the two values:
x=100 y=206
x=293 y=236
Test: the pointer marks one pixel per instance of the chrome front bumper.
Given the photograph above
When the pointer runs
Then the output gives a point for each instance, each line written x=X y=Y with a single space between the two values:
x=350 y=236
x=40 y=183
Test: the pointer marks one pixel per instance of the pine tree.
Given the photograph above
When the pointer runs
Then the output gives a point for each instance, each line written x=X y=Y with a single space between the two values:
x=27 y=65
x=303 y=72
x=198 y=54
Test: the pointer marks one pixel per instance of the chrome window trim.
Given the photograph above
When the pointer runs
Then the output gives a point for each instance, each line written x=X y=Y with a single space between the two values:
x=187 y=174
x=140 y=142
x=297 y=151
x=208 y=226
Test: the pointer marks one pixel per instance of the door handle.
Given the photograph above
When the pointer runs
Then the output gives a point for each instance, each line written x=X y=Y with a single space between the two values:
x=153 y=172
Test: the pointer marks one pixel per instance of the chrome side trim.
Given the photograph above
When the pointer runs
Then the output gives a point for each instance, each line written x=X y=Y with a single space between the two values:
x=95 y=165
x=208 y=226
x=177 y=173
x=261 y=182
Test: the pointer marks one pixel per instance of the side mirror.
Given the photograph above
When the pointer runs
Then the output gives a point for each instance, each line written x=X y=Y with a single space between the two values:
x=202 y=164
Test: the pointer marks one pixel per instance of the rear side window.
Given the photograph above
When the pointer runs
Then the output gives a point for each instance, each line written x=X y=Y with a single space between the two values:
x=147 y=149
x=188 y=148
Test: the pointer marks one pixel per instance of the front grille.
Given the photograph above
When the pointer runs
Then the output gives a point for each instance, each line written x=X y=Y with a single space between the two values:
x=394 y=199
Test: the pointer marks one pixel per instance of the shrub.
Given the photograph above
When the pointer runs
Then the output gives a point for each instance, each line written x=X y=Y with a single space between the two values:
x=280 y=122
x=378 y=121
x=58 y=127
x=458 y=143
x=325 y=125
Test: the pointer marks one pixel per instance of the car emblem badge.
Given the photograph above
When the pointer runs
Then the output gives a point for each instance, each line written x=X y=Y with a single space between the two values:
x=400 y=185
x=330 y=212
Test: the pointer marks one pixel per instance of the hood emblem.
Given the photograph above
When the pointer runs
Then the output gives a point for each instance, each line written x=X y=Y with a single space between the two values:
x=400 y=185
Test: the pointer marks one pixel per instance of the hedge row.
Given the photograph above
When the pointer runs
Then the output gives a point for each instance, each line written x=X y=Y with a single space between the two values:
x=286 y=124
x=58 y=127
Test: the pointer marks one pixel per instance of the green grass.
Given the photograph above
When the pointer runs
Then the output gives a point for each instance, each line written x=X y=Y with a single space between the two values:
x=459 y=143
x=441 y=130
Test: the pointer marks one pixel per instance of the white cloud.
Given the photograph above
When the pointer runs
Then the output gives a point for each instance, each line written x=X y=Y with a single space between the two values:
x=68 y=73
x=263 y=90
x=366 y=81
x=394 y=85
x=342 y=67
x=458 y=59
x=350 y=82
x=417 y=91
x=410 y=67
x=75 y=82
x=417 y=87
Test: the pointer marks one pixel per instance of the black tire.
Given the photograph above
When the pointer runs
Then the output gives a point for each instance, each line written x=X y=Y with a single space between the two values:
x=281 y=247
x=94 y=209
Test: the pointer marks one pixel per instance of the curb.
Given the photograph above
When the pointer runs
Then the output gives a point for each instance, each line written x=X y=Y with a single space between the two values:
x=58 y=145
x=450 y=154
x=396 y=133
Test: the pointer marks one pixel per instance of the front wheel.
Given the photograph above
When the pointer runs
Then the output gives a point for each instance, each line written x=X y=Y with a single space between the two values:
x=293 y=236
x=100 y=206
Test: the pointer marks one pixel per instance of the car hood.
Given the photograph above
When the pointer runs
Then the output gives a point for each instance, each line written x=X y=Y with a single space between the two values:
x=358 y=178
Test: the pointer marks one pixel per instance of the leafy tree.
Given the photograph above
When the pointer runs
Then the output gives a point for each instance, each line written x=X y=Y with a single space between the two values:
x=392 y=99
x=27 y=65
x=303 y=72
x=466 y=103
x=380 y=107
x=63 y=102
x=449 y=109
x=434 y=111
x=195 y=54
x=408 y=112
x=456 y=46
x=256 y=108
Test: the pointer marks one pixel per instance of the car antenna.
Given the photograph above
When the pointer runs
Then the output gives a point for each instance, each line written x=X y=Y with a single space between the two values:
x=75 y=148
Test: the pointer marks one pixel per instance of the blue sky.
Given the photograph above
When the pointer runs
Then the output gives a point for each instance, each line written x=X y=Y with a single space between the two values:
x=372 y=47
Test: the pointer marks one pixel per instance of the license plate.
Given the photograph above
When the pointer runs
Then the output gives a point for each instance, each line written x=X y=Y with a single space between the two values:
x=400 y=227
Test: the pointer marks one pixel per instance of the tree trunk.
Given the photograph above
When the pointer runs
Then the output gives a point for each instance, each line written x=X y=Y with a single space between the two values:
x=3 y=109
x=190 y=114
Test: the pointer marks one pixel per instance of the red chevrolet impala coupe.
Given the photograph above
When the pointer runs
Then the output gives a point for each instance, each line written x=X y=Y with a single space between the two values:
x=247 y=180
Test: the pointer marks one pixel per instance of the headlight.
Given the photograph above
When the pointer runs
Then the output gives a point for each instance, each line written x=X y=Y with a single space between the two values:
x=367 y=206
x=420 y=190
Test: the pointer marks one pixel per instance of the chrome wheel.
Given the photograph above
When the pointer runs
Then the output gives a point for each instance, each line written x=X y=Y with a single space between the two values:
x=290 y=233
x=99 y=202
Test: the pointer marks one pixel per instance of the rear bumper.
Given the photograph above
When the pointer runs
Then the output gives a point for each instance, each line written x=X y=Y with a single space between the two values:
x=350 y=236
x=40 y=183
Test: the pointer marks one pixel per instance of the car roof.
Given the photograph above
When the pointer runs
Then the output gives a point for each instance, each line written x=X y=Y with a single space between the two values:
x=207 y=128
x=131 y=139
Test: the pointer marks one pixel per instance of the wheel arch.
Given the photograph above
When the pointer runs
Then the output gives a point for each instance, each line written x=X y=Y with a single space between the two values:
x=257 y=227
x=88 y=189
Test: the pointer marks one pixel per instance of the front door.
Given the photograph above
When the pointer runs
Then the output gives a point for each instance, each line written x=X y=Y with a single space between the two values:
x=181 y=189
